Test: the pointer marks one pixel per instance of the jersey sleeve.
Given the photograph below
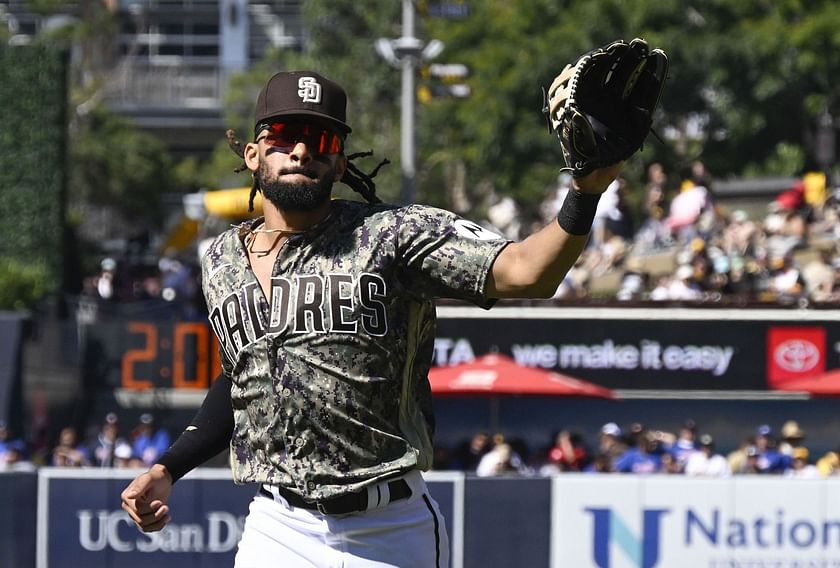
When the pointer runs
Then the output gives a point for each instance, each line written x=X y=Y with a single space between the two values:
x=445 y=256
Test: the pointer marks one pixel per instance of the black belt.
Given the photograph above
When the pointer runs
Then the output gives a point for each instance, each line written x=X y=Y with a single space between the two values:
x=343 y=504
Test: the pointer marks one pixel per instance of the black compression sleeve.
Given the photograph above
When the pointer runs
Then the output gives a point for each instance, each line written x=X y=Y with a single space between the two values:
x=578 y=212
x=208 y=434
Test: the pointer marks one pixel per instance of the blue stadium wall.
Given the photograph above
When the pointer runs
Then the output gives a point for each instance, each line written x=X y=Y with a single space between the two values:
x=66 y=518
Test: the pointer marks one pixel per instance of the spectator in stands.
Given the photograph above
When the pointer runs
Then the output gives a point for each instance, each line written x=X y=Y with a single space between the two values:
x=819 y=276
x=11 y=448
x=799 y=467
x=786 y=282
x=657 y=181
x=685 y=444
x=718 y=281
x=16 y=458
x=785 y=228
x=500 y=460
x=700 y=262
x=700 y=174
x=640 y=457
x=706 y=462
x=568 y=452
x=684 y=286
x=609 y=210
x=737 y=458
x=669 y=465
x=623 y=226
x=792 y=437
x=633 y=287
x=106 y=281
x=739 y=235
x=107 y=440
x=653 y=233
x=611 y=443
x=661 y=292
x=635 y=282
x=829 y=464
x=124 y=457
x=148 y=441
x=469 y=453
x=751 y=462
x=688 y=212
x=770 y=459
x=69 y=452
x=742 y=280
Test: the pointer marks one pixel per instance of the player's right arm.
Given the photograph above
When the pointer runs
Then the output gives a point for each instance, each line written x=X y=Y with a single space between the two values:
x=146 y=497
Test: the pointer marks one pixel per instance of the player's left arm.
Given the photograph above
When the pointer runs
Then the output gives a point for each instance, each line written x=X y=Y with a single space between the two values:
x=535 y=267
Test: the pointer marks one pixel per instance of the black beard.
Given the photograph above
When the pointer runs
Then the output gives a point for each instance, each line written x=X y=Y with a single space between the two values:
x=301 y=196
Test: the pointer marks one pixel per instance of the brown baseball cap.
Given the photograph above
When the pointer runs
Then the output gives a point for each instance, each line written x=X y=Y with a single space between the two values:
x=302 y=93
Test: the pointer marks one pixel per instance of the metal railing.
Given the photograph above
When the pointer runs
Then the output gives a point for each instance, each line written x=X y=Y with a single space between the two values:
x=181 y=86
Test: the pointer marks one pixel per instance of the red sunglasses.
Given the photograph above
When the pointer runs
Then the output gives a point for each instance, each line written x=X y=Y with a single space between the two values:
x=284 y=136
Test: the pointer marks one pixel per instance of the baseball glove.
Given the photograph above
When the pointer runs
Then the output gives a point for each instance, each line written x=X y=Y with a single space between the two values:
x=602 y=107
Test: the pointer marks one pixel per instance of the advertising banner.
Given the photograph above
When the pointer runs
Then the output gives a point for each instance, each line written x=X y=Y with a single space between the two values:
x=570 y=520
x=712 y=350
x=81 y=523
x=661 y=522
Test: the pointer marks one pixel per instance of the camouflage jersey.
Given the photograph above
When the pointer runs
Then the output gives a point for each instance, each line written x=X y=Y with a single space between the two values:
x=330 y=388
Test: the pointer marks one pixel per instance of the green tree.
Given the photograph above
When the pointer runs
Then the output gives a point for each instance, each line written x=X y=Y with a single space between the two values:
x=339 y=44
x=115 y=165
x=105 y=164
x=747 y=83
x=32 y=173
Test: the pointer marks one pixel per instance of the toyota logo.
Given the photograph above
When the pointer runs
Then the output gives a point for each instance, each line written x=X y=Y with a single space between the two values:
x=797 y=355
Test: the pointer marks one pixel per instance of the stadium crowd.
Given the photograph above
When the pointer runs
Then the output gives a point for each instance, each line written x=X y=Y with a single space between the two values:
x=109 y=446
x=635 y=449
x=638 y=449
x=784 y=251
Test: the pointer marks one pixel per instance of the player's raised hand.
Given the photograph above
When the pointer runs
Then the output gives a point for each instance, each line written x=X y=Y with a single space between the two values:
x=145 y=499
x=598 y=180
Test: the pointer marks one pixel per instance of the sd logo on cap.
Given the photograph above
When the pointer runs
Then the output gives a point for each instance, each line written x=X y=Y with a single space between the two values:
x=302 y=93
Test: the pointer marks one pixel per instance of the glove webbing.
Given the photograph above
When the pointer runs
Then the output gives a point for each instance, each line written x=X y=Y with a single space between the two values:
x=566 y=92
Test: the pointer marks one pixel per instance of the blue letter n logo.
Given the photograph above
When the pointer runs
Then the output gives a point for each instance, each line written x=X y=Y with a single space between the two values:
x=609 y=527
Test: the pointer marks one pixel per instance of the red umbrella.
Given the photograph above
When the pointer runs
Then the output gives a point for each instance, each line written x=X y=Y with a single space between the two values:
x=499 y=374
x=824 y=384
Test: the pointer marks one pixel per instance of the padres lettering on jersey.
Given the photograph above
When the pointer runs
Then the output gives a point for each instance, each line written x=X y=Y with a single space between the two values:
x=329 y=369
x=339 y=303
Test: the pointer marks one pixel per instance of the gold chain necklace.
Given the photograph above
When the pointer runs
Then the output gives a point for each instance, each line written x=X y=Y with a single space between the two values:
x=283 y=231
x=250 y=239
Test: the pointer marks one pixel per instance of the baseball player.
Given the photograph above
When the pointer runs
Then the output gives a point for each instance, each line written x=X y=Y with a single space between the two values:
x=324 y=311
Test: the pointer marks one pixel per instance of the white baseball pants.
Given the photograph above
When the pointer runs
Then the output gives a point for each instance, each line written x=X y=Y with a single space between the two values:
x=408 y=533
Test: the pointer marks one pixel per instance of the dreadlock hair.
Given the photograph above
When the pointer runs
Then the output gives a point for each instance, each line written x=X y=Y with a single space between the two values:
x=353 y=177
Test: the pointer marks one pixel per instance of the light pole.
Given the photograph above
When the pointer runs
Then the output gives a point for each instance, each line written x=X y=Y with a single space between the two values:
x=406 y=52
